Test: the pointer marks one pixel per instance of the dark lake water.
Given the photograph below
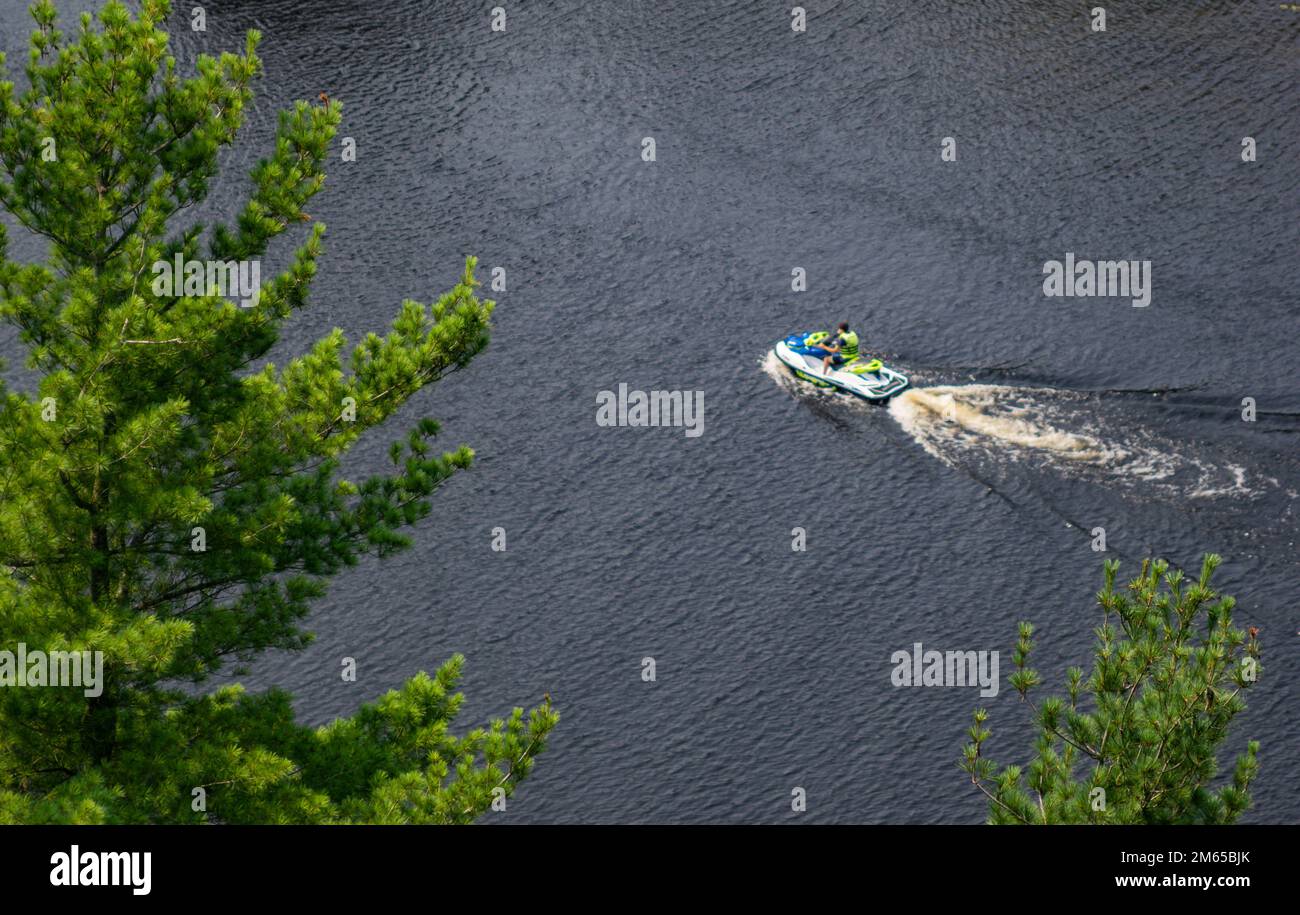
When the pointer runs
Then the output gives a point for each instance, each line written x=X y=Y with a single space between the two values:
x=943 y=519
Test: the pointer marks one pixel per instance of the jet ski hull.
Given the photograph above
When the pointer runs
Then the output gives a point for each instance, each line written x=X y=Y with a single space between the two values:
x=804 y=361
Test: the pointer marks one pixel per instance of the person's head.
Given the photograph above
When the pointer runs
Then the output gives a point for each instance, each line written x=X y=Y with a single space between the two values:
x=844 y=327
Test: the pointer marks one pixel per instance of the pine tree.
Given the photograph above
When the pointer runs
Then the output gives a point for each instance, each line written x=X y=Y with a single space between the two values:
x=1144 y=728
x=168 y=500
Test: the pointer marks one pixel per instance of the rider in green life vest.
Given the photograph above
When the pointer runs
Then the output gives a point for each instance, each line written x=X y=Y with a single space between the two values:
x=840 y=349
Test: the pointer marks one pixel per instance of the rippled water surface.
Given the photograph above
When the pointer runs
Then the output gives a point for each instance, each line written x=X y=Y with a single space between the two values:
x=944 y=518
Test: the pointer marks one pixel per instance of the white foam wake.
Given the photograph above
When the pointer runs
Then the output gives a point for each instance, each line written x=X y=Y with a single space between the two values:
x=985 y=415
x=1060 y=429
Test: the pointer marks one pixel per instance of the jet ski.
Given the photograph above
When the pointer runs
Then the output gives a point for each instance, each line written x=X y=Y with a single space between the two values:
x=862 y=377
